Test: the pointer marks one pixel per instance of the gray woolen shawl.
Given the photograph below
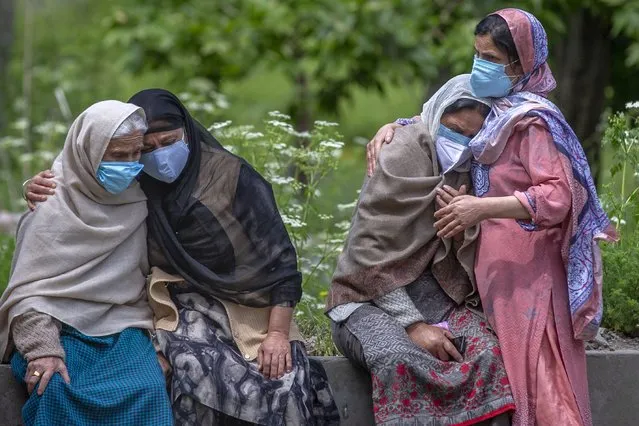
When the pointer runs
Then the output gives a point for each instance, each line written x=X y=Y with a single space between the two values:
x=81 y=257
x=393 y=239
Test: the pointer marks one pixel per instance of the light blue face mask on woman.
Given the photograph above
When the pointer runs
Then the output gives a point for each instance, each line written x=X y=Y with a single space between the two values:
x=452 y=149
x=166 y=163
x=116 y=176
x=489 y=80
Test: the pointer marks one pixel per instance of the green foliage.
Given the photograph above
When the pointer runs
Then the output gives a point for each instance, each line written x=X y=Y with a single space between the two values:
x=621 y=199
x=621 y=285
x=325 y=48
x=621 y=138
x=297 y=172
x=7 y=246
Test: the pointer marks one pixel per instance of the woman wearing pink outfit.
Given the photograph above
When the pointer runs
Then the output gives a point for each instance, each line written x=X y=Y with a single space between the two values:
x=538 y=267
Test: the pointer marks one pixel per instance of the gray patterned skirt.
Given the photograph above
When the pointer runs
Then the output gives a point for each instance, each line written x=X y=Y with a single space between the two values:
x=213 y=384
x=411 y=386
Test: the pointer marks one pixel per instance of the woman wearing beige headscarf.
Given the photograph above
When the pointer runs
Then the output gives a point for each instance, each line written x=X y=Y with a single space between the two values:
x=400 y=294
x=73 y=319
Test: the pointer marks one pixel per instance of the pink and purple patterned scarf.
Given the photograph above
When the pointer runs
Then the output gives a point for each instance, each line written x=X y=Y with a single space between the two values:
x=588 y=221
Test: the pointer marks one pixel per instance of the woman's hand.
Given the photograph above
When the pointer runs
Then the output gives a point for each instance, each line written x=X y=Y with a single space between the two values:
x=164 y=364
x=435 y=340
x=38 y=187
x=274 y=355
x=461 y=213
x=42 y=369
x=446 y=193
x=373 y=148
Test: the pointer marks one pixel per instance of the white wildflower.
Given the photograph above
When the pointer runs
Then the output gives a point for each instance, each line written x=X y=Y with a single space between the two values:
x=331 y=144
x=254 y=135
x=218 y=126
x=278 y=180
x=322 y=123
x=20 y=124
x=293 y=222
x=277 y=114
x=348 y=206
x=631 y=105
x=46 y=156
x=281 y=124
x=614 y=219
x=279 y=146
x=50 y=127
x=9 y=142
x=26 y=158
x=222 y=102
x=325 y=216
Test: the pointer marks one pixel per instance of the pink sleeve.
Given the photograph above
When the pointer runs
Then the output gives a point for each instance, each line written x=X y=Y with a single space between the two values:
x=548 y=199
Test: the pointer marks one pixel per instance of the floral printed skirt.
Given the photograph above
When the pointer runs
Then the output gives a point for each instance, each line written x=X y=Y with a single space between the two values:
x=412 y=387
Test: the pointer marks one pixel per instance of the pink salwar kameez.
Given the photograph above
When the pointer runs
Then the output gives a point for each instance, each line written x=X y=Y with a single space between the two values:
x=539 y=279
x=522 y=282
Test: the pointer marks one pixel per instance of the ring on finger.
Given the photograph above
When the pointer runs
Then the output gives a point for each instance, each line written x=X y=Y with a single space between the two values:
x=36 y=373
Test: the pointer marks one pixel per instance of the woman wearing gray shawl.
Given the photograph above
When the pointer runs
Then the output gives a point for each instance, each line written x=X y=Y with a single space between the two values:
x=400 y=294
x=73 y=319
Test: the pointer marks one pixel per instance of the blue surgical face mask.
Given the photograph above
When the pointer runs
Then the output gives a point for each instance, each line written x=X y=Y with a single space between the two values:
x=166 y=163
x=116 y=176
x=489 y=80
x=452 y=150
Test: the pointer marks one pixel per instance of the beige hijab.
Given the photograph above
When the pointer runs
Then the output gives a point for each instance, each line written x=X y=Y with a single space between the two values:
x=393 y=239
x=81 y=257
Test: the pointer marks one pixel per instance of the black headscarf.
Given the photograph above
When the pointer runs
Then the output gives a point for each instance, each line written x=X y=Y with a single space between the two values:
x=195 y=244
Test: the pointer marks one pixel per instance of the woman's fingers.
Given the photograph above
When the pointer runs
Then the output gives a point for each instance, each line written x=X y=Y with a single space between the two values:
x=442 y=354
x=444 y=220
x=44 y=381
x=452 y=351
x=443 y=212
x=458 y=229
x=448 y=229
x=389 y=135
x=370 y=159
x=260 y=359
x=289 y=361
x=40 y=183
x=64 y=373
x=266 y=364
x=31 y=381
x=463 y=190
x=36 y=196
x=446 y=196
x=373 y=161
x=281 y=365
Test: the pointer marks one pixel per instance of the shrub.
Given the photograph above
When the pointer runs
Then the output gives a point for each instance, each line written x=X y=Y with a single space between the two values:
x=621 y=200
x=6 y=254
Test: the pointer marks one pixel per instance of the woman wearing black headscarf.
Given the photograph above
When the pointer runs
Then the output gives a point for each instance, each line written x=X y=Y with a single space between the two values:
x=214 y=226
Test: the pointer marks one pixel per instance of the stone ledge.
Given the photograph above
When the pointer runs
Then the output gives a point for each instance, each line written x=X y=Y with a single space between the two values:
x=613 y=378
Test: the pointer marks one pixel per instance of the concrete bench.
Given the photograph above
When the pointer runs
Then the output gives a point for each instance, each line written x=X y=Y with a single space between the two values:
x=613 y=379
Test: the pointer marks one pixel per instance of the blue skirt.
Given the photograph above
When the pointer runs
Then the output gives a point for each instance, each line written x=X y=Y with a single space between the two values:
x=115 y=380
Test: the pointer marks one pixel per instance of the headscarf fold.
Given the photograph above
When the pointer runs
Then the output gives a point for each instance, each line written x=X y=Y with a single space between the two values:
x=217 y=225
x=81 y=256
x=588 y=221
x=393 y=239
